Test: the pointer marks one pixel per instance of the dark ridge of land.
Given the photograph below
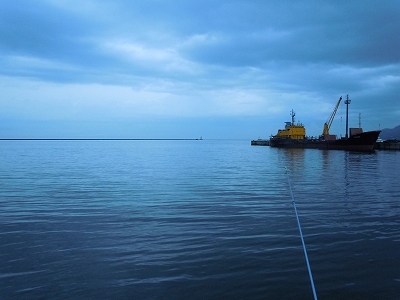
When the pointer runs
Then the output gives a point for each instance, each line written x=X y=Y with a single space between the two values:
x=390 y=133
x=91 y=139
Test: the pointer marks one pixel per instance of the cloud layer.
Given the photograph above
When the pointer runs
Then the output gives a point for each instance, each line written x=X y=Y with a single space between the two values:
x=122 y=61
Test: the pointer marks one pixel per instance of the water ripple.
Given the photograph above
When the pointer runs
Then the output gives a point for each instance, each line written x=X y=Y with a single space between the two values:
x=195 y=220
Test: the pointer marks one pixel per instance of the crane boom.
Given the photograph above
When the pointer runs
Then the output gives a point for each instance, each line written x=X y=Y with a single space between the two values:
x=328 y=124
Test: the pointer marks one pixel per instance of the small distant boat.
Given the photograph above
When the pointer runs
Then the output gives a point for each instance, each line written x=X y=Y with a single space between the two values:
x=294 y=136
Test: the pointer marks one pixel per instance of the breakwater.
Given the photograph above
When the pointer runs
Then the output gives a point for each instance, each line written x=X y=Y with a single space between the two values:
x=385 y=145
x=260 y=142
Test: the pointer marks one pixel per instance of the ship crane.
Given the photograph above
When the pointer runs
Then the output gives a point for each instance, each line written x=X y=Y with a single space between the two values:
x=328 y=124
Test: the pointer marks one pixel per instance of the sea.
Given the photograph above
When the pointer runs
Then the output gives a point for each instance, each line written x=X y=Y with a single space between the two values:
x=196 y=219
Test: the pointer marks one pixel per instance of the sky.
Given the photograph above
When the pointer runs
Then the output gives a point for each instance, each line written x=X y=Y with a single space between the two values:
x=185 y=69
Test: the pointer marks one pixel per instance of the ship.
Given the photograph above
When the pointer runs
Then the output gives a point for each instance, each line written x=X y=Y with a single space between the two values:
x=294 y=136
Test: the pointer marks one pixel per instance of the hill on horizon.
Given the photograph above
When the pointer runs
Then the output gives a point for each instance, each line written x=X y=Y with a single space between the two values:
x=390 y=134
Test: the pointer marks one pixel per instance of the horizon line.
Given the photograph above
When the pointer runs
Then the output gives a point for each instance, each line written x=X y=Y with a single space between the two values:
x=99 y=139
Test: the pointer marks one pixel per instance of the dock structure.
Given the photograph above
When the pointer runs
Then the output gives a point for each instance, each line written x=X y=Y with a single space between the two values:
x=387 y=145
x=260 y=142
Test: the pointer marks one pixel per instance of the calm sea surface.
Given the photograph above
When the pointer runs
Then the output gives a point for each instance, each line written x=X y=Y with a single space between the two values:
x=196 y=220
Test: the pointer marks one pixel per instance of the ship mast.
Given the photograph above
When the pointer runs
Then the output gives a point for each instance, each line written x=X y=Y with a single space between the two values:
x=292 y=115
x=347 y=102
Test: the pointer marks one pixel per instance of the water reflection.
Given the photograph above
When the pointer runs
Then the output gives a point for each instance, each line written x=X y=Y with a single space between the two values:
x=211 y=220
x=292 y=158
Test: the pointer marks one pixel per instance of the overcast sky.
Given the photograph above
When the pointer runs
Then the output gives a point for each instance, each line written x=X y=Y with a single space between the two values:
x=185 y=69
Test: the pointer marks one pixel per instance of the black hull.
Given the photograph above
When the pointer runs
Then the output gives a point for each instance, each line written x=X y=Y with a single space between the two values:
x=359 y=142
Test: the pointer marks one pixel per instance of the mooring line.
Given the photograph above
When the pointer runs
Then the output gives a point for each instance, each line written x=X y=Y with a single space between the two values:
x=301 y=236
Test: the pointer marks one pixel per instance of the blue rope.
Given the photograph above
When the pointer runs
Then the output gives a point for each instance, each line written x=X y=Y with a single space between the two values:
x=302 y=239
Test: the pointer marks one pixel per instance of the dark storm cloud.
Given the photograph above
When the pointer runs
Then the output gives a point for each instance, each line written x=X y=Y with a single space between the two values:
x=218 y=57
x=248 y=33
x=305 y=32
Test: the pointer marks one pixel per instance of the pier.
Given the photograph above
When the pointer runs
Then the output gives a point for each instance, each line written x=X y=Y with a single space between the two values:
x=260 y=142
x=385 y=145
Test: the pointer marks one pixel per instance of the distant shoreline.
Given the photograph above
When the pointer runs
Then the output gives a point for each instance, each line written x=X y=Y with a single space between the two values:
x=92 y=139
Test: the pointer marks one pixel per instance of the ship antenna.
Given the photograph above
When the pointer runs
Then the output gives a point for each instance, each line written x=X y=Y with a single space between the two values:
x=347 y=102
x=301 y=236
x=292 y=114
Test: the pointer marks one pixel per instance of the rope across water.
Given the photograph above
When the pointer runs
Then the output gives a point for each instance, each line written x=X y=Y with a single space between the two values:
x=301 y=236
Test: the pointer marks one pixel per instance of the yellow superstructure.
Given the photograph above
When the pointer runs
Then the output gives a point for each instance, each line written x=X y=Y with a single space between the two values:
x=292 y=131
